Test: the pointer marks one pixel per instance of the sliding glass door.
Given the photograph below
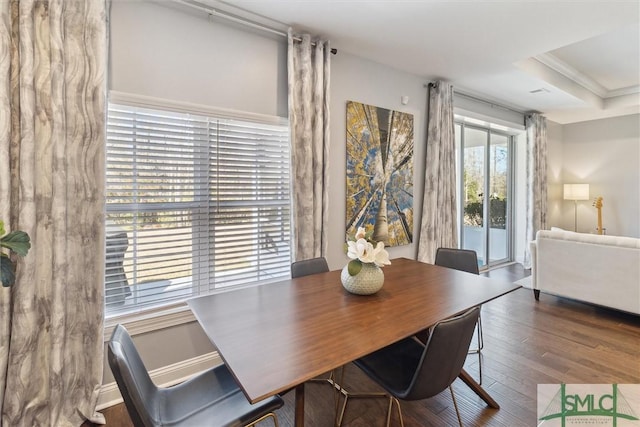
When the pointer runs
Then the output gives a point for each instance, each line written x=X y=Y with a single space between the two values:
x=484 y=182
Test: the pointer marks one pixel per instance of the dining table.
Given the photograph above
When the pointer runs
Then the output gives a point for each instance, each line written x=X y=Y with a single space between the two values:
x=275 y=337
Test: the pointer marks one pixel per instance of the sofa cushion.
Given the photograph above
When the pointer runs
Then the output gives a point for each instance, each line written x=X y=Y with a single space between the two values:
x=620 y=241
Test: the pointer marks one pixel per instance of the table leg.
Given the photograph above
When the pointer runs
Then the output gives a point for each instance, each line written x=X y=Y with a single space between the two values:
x=477 y=389
x=299 y=412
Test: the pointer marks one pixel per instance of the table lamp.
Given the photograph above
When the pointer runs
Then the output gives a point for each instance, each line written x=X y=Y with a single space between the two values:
x=576 y=192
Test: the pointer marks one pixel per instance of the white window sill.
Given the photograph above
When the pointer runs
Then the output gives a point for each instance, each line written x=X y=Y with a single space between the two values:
x=150 y=320
x=163 y=317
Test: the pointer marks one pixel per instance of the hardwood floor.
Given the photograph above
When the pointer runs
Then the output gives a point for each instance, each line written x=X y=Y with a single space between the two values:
x=527 y=343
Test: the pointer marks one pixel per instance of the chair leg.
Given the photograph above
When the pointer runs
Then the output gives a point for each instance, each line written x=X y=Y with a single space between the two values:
x=397 y=402
x=480 y=347
x=480 y=367
x=271 y=415
x=480 y=334
x=348 y=395
x=339 y=416
x=455 y=404
x=334 y=380
x=480 y=337
x=329 y=379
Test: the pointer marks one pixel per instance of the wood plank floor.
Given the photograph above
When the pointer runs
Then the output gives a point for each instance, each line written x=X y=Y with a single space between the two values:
x=527 y=343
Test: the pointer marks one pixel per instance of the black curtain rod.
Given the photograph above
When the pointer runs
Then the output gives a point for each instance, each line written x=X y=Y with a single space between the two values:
x=213 y=12
x=475 y=98
x=490 y=103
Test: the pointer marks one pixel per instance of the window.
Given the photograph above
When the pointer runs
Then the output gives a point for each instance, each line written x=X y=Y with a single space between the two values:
x=485 y=181
x=194 y=203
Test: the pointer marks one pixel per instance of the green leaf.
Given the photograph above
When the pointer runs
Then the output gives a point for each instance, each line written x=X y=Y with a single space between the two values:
x=2 y=230
x=355 y=265
x=6 y=271
x=16 y=241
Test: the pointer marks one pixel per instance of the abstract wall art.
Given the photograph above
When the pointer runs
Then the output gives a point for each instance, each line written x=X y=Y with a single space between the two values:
x=379 y=173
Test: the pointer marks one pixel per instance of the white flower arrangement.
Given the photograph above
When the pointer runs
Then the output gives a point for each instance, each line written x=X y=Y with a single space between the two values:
x=362 y=251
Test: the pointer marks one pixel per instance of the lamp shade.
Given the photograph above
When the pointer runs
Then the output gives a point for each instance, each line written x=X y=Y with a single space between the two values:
x=576 y=192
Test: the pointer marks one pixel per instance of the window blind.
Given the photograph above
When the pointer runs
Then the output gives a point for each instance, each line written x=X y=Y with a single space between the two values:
x=193 y=203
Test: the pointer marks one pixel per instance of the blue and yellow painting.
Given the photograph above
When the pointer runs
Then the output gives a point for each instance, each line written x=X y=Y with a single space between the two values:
x=379 y=173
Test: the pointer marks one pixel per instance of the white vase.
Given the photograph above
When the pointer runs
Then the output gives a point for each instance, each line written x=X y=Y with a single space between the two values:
x=368 y=281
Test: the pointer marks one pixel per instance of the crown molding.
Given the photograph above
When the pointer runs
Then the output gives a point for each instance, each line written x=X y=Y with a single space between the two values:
x=571 y=73
x=583 y=80
x=629 y=90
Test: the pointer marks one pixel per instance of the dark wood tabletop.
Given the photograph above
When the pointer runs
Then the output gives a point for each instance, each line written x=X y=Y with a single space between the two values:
x=277 y=336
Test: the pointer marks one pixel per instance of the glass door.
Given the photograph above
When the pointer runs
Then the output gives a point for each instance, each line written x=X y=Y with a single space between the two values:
x=473 y=180
x=498 y=198
x=484 y=181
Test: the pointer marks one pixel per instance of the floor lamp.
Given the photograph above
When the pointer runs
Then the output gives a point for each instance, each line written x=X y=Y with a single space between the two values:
x=576 y=192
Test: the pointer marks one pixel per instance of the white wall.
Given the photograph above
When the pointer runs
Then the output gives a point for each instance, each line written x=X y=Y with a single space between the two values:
x=606 y=155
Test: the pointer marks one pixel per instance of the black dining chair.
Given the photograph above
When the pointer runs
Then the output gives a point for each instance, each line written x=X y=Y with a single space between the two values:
x=309 y=266
x=459 y=259
x=464 y=260
x=411 y=370
x=212 y=398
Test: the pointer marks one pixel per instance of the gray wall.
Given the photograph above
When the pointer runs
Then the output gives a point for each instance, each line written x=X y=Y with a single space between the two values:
x=165 y=51
x=606 y=155
x=360 y=80
x=555 y=204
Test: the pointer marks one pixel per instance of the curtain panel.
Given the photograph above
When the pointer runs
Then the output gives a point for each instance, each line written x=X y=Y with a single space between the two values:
x=536 y=192
x=52 y=110
x=308 y=74
x=438 y=227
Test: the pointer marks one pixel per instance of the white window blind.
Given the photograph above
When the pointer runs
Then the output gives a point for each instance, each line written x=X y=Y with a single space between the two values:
x=194 y=203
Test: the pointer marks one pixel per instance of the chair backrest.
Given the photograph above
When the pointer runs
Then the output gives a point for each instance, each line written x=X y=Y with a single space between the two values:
x=309 y=266
x=443 y=356
x=140 y=394
x=459 y=259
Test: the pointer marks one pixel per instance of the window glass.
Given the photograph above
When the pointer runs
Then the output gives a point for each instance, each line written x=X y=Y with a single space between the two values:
x=194 y=203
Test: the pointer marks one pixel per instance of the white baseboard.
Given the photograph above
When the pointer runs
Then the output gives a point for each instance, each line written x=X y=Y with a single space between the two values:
x=163 y=377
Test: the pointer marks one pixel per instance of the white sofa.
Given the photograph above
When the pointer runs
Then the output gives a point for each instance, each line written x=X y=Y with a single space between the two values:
x=603 y=270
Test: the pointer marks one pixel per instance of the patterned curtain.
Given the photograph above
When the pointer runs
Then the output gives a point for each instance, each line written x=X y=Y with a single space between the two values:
x=308 y=68
x=536 y=207
x=438 y=227
x=52 y=112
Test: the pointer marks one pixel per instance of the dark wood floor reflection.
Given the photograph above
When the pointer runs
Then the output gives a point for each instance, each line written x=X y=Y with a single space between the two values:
x=527 y=343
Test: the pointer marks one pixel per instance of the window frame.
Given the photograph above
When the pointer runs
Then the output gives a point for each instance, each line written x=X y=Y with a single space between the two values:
x=176 y=313
x=463 y=122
